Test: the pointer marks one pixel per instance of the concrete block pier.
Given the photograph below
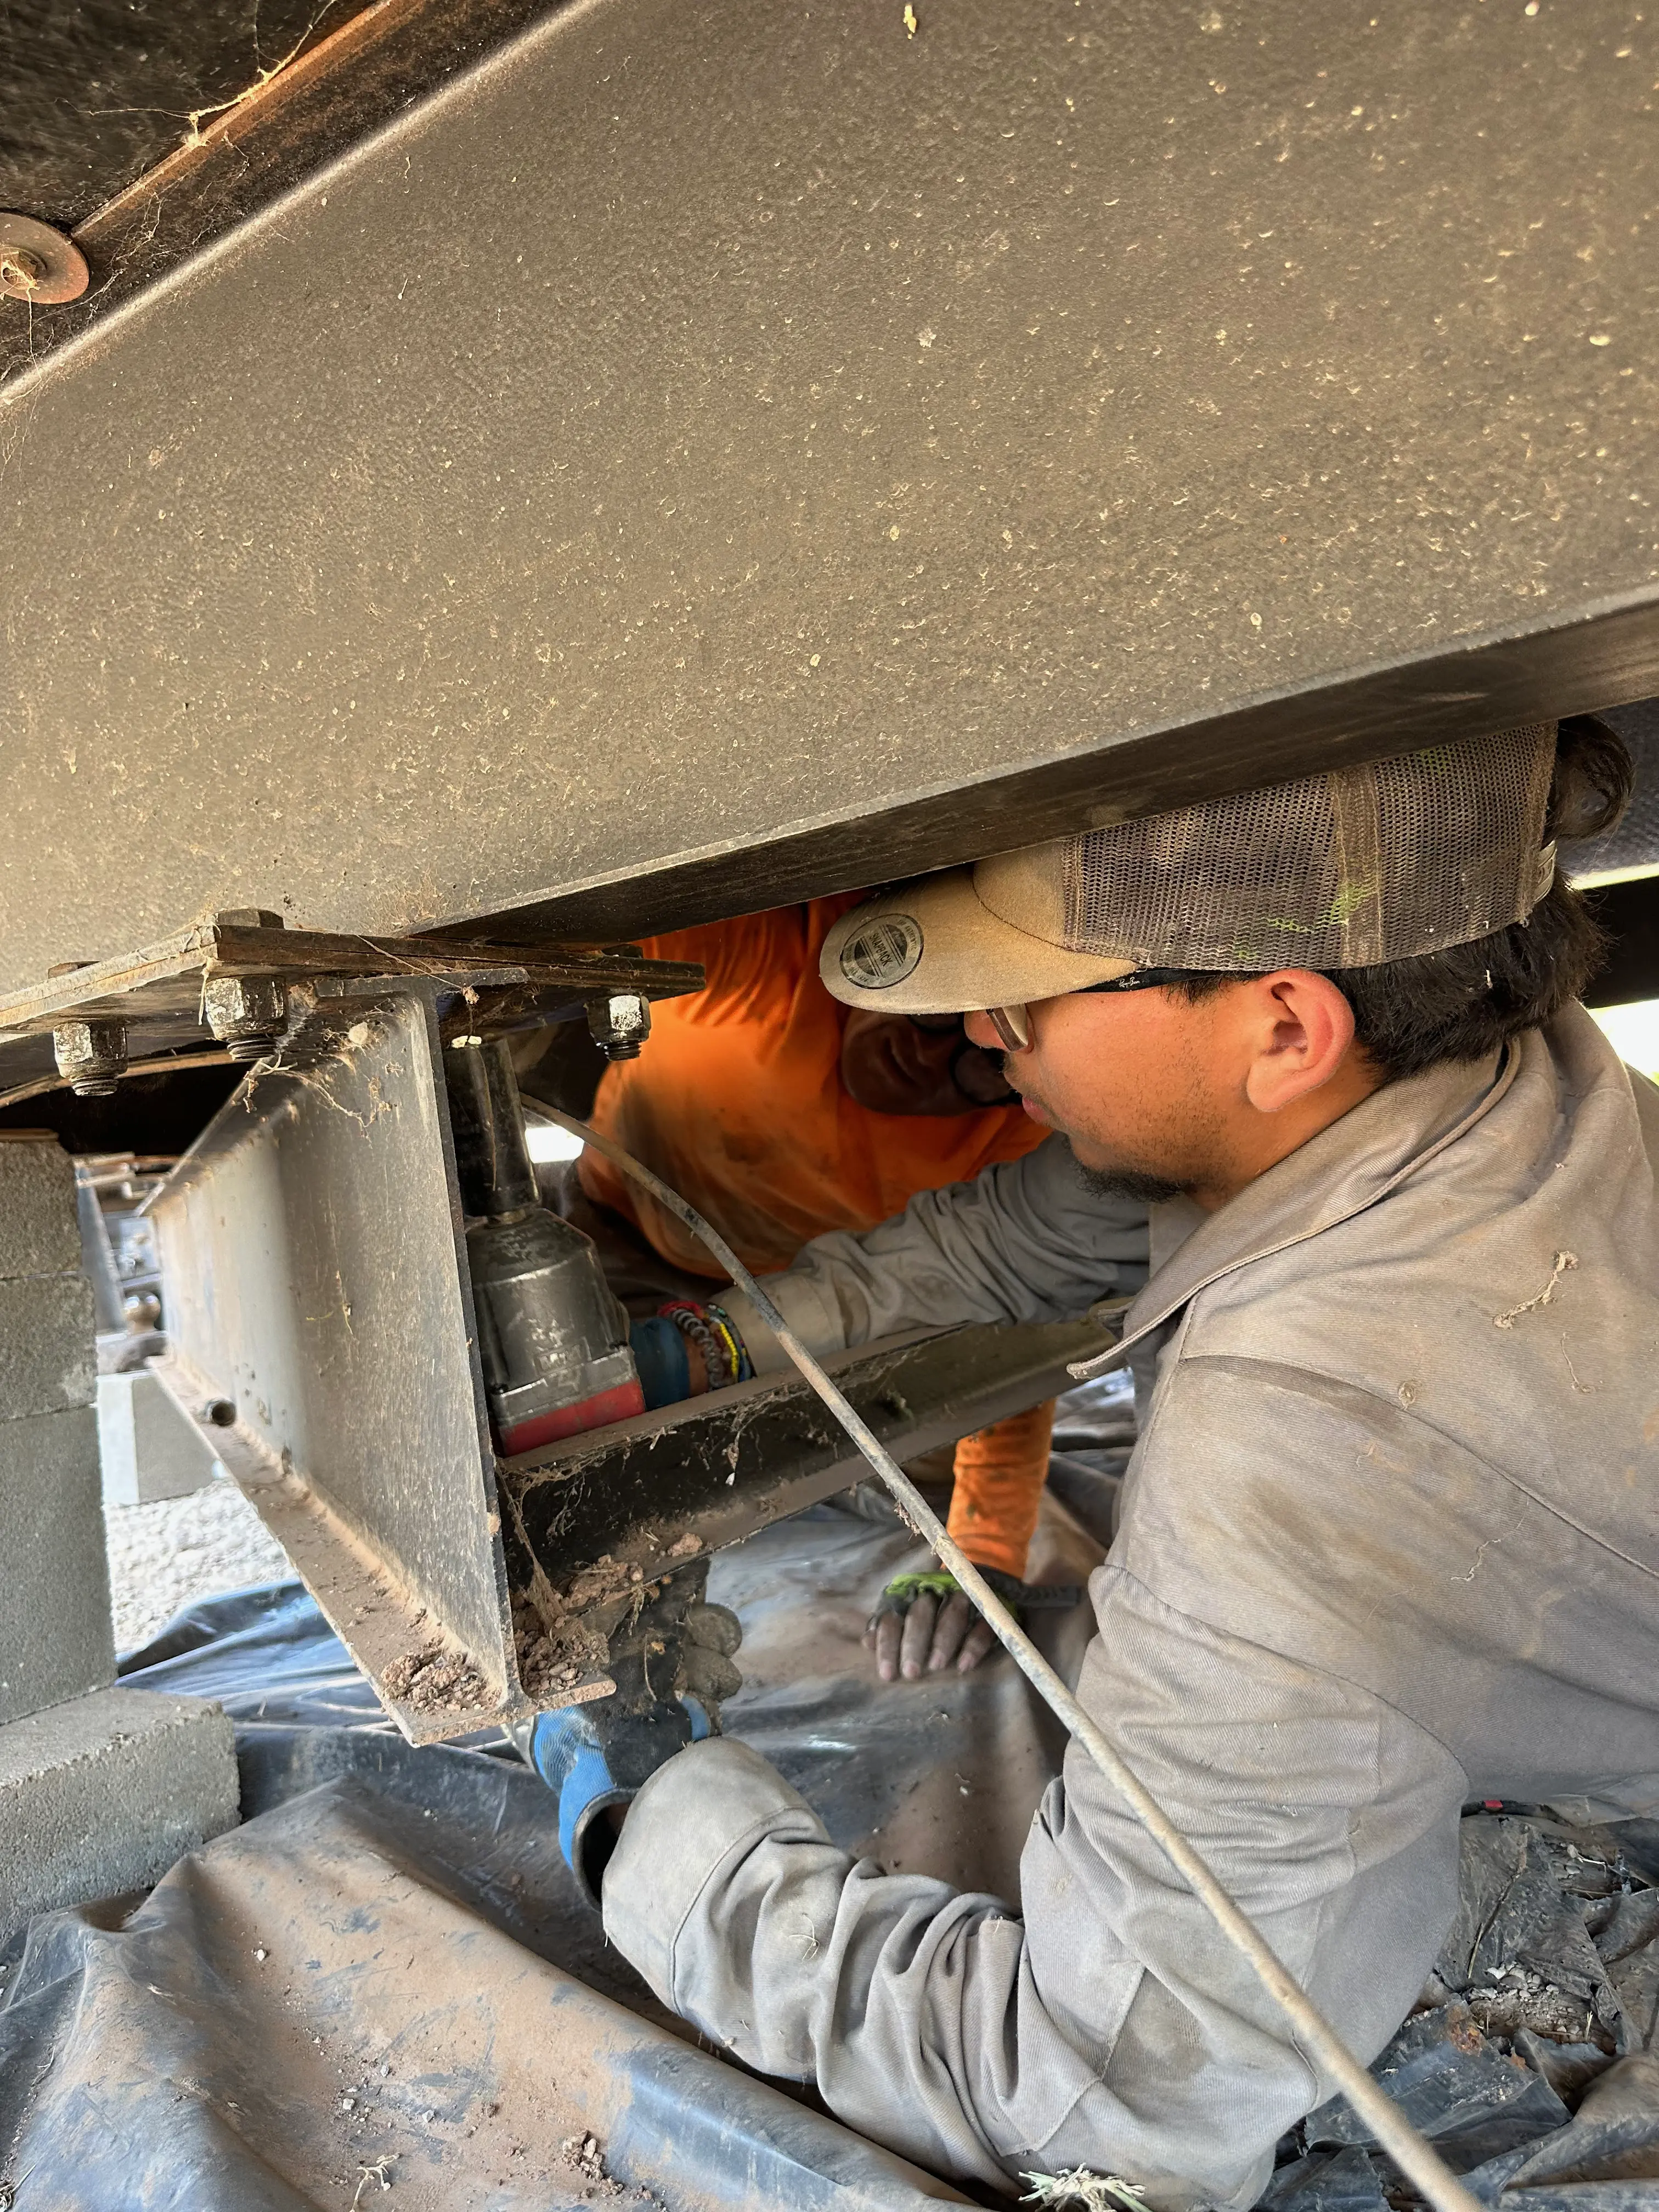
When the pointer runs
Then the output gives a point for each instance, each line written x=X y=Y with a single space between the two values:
x=101 y=1789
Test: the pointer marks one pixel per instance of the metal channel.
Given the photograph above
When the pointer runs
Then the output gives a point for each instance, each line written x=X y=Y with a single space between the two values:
x=591 y=1524
x=720 y=1468
x=317 y=1285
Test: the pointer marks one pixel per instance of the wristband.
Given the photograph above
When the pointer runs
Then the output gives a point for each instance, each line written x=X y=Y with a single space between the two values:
x=693 y=1322
x=659 y=1351
x=743 y=1366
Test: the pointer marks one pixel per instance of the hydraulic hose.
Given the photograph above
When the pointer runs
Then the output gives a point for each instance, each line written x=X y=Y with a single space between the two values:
x=1415 y=2157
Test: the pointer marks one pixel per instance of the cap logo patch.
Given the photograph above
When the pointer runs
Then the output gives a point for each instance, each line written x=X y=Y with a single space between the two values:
x=882 y=953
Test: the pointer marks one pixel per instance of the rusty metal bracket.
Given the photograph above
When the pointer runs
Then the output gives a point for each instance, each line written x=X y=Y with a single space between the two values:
x=231 y=988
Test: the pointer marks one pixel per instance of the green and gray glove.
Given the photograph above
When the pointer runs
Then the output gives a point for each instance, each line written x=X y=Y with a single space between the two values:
x=926 y=1621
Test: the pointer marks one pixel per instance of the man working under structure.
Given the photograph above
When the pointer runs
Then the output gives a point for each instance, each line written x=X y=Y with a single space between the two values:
x=1388 y=1542
x=780 y=1114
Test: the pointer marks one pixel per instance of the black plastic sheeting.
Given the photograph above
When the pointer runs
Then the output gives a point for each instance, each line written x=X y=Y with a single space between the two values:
x=382 y=1987
x=1532 y=2064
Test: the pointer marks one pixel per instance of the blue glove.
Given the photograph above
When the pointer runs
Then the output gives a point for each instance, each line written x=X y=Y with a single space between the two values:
x=592 y=1757
x=672 y=1666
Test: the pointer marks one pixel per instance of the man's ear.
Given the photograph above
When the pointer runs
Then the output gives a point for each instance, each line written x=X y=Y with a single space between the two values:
x=1304 y=1032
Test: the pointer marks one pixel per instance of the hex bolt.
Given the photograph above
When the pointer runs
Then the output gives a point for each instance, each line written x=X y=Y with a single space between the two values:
x=92 y=1055
x=620 y=1023
x=246 y=1013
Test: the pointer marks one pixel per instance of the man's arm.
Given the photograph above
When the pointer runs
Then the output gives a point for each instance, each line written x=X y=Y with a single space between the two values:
x=1026 y=1239
x=1111 y=2025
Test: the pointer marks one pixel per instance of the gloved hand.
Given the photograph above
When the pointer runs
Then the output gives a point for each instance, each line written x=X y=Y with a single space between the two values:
x=595 y=1761
x=597 y=1757
x=924 y=1621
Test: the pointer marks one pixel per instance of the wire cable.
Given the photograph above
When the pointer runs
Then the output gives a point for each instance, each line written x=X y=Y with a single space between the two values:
x=1410 y=2151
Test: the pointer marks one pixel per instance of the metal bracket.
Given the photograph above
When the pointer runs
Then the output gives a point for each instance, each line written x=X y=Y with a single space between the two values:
x=239 y=981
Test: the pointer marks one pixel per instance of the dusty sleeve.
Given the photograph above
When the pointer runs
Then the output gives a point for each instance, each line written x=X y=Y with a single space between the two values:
x=1108 y=2026
x=1026 y=1239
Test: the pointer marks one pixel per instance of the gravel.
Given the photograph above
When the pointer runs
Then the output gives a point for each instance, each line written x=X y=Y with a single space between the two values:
x=165 y=1557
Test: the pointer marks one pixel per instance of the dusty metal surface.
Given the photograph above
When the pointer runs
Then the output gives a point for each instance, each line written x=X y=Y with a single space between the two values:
x=316 y=1284
x=681 y=465
x=152 y=132
x=717 y=1468
x=99 y=93
x=179 y=996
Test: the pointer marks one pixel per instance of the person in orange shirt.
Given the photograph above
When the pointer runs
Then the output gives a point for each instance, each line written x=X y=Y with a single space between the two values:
x=780 y=1114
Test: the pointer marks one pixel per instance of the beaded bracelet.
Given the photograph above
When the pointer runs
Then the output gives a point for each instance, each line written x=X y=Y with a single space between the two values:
x=719 y=1359
x=743 y=1366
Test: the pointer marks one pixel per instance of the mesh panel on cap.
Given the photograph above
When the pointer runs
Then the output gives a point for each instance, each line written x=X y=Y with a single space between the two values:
x=1344 y=870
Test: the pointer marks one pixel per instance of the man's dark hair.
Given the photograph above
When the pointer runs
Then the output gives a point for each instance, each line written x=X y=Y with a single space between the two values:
x=1463 y=1003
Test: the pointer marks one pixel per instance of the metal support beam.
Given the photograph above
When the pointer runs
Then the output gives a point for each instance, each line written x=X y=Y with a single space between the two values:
x=682 y=465
x=720 y=1468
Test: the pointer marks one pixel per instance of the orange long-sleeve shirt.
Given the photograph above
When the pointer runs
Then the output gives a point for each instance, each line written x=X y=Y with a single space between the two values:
x=737 y=1101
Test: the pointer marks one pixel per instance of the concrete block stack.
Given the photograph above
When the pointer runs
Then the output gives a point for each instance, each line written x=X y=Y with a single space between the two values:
x=101 y=1789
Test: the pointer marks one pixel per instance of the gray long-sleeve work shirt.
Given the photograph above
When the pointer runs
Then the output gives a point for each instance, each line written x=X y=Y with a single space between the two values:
x=1389 y=1541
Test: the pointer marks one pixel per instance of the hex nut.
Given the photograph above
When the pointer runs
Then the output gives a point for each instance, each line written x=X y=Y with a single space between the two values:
x=620 y=1023
x=246 y=1013
x=93 y=1056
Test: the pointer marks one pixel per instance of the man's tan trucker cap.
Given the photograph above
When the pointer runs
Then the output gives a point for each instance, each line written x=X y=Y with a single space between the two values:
x=1347 y=869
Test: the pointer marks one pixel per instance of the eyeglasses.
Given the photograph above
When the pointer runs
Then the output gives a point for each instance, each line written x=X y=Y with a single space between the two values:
x=1013 y=1023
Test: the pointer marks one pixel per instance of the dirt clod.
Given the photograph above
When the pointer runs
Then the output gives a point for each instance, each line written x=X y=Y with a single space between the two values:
x=554 y=1657
x=606 y=1578
x=434 y=1678
x=547 y=1666
x=583 y=2156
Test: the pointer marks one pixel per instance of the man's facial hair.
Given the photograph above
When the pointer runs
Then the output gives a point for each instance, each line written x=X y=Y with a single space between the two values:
x=1130 y=1184
x=1142 y=1190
